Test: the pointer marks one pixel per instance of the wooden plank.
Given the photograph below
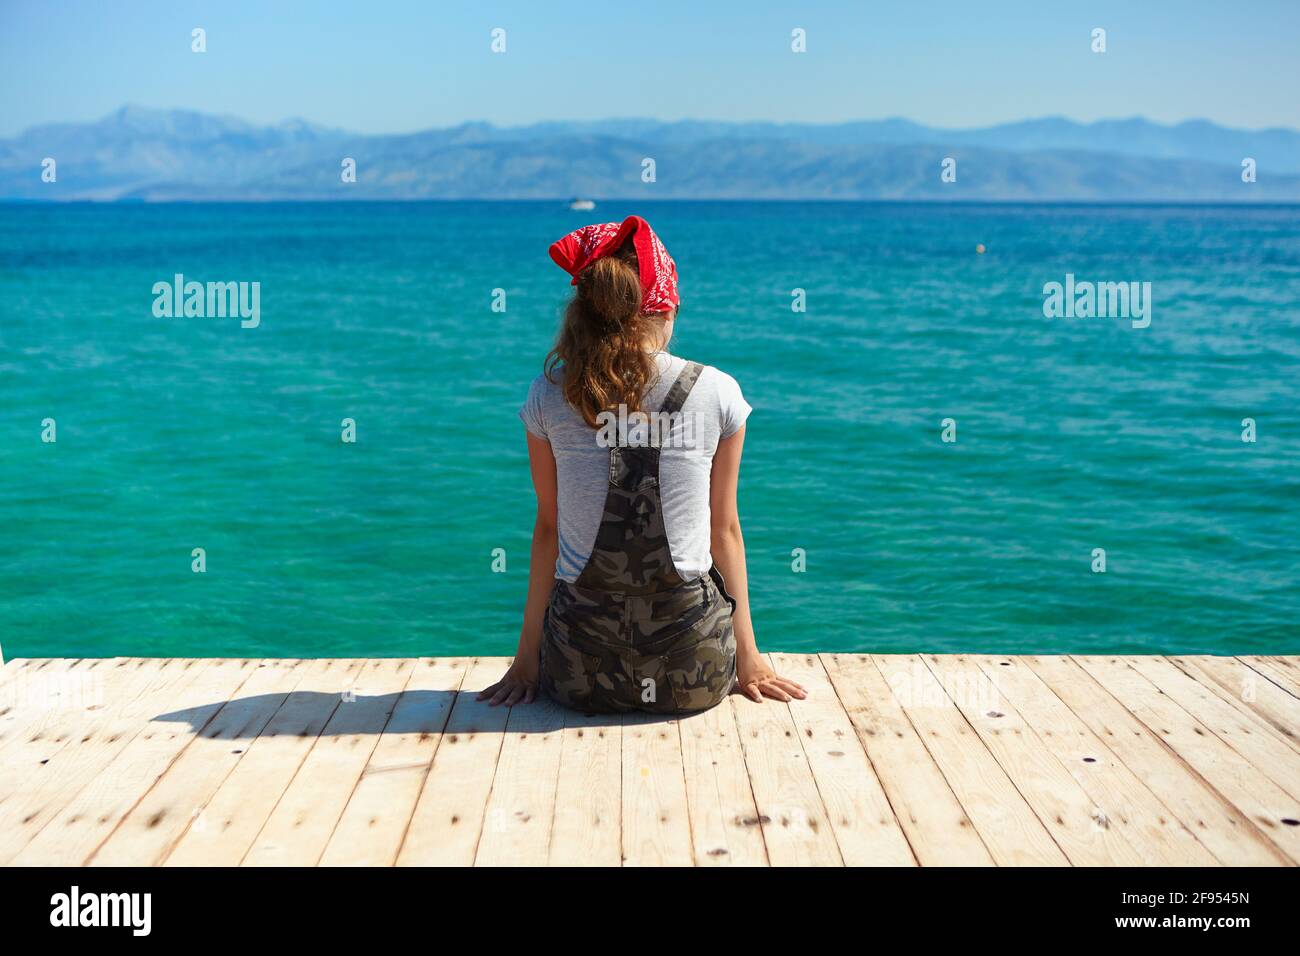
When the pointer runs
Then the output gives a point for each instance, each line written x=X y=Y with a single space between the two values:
x=51 y=701
x=374 y=822
x=1080 y=827
x=725 y=829
x=937 y=827
x=76 y=830
x=1285 y=670
x=28 y=666
x=38 y=738
x=1279 y=676
x=1152 y=828
x=656 y=822
x=1264 y=803
x=8 y=668
x=55 y=767
x=860 y=816
x=226 y=826
x=796 y=827
x=1008 y=826
x=1251 y=737
x=1248 y=691
x=40 y=760
x=521 y=807
x=448 y=817
x=41 y=773
x=302 y=822
x=588 y=825
x=145 y=835
x=1221 y=827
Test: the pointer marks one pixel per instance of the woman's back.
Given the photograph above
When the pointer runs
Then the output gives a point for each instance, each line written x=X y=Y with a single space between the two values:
x=715 y=409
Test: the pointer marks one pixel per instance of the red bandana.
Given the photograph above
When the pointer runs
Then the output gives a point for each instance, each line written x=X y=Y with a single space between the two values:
x=584 y=246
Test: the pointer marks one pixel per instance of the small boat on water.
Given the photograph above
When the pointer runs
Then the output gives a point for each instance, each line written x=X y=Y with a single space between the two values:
x=582 y=204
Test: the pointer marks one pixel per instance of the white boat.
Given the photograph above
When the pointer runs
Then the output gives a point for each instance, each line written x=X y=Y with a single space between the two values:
x=582 y=204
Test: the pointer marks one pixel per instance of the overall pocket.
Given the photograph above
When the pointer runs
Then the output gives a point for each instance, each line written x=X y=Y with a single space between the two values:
x=579 y=672
x=694 y=667
x=700 y=676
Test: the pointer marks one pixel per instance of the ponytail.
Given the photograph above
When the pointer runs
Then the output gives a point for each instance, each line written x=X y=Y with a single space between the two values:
x=602 y=340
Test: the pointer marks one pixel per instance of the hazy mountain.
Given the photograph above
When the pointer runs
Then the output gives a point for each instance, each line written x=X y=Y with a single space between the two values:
x=159 y=155
x=1277 y=149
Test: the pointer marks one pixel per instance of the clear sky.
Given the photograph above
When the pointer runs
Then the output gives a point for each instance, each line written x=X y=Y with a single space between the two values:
x=401 y=65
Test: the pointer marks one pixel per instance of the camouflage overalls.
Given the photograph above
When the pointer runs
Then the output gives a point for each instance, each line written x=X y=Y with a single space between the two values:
x=631 y=634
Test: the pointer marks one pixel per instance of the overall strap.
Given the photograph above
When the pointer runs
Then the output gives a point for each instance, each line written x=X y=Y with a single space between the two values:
x=631 y=554
x=677 y=395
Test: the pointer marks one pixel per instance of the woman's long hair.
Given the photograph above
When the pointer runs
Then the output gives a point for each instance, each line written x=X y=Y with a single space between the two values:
x=602 y=341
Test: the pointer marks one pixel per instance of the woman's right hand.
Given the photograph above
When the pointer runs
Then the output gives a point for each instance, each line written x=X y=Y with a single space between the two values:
x=518 y=686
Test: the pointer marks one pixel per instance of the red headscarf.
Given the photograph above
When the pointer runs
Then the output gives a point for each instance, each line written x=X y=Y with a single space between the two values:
x=584 y=246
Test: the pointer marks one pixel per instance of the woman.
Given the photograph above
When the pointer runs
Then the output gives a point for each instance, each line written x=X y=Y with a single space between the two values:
x=635 y=456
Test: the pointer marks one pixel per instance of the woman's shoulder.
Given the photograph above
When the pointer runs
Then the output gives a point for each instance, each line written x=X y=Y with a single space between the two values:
x=541 y=408
x=721 y=390
x=546 y=384
x=712 y=377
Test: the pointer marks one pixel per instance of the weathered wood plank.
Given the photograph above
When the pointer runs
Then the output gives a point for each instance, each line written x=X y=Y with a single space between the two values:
x=230 y=821
x=656 y=823
x=40 y=728
x=1224 y=829
x=521 y=807
x=44 y=771
x=937 y=827
x=1264 y=803
x=1248 y=691
x=796 y=828
x=1149 y=826
x=374 y=822
x=145 y=835
x=448 y=817
x=74 y=833
x=1285 y=671
x=301 y=824
x=725 y=828
x=56 y=703
x=860 y=816
x=1250 y=736
x=588 y=825
x=1268 y=670
x=1080 y=827
x=1010 y=829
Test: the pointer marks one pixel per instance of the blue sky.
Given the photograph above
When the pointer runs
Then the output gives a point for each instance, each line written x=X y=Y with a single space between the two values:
x=400 y=65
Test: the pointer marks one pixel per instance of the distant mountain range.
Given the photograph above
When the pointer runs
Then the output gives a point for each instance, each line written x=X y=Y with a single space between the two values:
x=162 y=155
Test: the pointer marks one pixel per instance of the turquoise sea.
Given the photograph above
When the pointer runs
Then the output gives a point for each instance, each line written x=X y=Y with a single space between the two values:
x=1072 y=434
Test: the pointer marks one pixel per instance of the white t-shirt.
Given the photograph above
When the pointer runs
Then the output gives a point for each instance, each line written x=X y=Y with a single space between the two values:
x=714 y=410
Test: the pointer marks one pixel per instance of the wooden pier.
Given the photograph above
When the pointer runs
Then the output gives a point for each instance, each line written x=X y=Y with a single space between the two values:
x=892 y=760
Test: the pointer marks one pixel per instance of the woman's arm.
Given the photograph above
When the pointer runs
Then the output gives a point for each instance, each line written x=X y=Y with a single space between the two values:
x=753 y=674
x=519 y=685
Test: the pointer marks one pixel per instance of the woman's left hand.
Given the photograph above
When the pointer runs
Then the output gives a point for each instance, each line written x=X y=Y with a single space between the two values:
x=757 y=680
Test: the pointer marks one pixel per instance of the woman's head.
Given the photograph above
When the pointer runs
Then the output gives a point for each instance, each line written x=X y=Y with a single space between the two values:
x=621 y=313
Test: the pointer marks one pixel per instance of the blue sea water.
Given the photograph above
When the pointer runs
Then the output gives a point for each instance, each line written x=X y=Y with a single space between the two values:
x=1072 y=434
